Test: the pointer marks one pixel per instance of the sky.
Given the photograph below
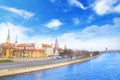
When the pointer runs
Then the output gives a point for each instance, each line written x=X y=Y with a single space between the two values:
x=78 y=24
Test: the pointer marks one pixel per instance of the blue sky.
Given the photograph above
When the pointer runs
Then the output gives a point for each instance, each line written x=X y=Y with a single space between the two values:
x=80 y=24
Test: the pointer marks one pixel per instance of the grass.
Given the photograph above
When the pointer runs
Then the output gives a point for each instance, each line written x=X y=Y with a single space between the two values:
x=5 y=61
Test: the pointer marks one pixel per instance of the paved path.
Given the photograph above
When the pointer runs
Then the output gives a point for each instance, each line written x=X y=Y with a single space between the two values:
x=30 y=63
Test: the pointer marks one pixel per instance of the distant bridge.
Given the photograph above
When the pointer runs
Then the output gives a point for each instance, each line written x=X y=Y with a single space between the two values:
x=110 y=51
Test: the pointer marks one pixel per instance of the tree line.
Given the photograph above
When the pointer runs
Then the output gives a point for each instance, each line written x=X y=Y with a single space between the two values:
x=77 y=53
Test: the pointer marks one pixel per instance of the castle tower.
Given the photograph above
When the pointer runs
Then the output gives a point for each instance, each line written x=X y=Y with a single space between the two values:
x=8 y=37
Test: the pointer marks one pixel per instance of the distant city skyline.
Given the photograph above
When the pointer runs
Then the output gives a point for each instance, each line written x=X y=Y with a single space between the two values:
x=80 y=24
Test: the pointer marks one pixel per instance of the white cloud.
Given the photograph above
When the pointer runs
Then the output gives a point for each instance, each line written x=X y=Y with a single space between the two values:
x=94 y=44
x=90 y=18
x=102 y=7
x=95 y=37
x=104 y=30
x=116 y=21
x=22 y=13
x=77 y=4
x=20 y=31
x=54 y=24
x=117 y=8
x=76 y=21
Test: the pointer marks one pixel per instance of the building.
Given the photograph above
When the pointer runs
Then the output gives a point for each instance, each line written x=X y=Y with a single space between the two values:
x=7 y=48
x=48 y=49
x=27 y=50
x=15 y=50
x=56 y=46
x=57 y=49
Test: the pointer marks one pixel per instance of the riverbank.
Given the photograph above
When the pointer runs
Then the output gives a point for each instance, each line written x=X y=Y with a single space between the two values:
x=14 y=71
x=25 y=59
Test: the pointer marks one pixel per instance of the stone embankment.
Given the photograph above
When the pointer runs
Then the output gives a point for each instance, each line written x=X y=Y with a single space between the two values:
x=14 y=71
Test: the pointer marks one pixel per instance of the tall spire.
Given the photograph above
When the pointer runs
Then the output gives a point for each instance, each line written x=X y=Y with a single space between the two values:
x=56 y=44
x=8 y=36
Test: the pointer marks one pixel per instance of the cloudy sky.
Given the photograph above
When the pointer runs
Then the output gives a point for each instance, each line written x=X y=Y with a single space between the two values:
x=80 y=24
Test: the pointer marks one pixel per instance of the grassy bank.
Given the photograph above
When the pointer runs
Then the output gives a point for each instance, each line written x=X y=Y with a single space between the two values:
x=5 y=61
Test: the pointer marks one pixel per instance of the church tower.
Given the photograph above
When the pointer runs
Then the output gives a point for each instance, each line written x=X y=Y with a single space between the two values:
x=8 y=51
x=8 y=37
x=56 y=44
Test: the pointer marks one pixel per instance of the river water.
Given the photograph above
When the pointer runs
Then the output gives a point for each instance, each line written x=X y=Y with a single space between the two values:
x=104 y=67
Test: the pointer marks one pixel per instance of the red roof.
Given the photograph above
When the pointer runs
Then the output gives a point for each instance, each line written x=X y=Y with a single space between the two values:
x=25 y=45
x=46 y=45
x=30 y=50
x=8 y=46
x=59 y=49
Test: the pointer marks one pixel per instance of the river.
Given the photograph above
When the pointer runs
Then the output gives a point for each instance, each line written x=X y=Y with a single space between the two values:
x=104 y=67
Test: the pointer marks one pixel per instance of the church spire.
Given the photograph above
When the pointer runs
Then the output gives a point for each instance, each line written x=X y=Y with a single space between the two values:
x=56 y=44
x=8 y=36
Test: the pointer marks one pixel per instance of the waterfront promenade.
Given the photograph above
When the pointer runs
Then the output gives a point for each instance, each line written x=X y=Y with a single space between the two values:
x=18 y=68
x=29 y=63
